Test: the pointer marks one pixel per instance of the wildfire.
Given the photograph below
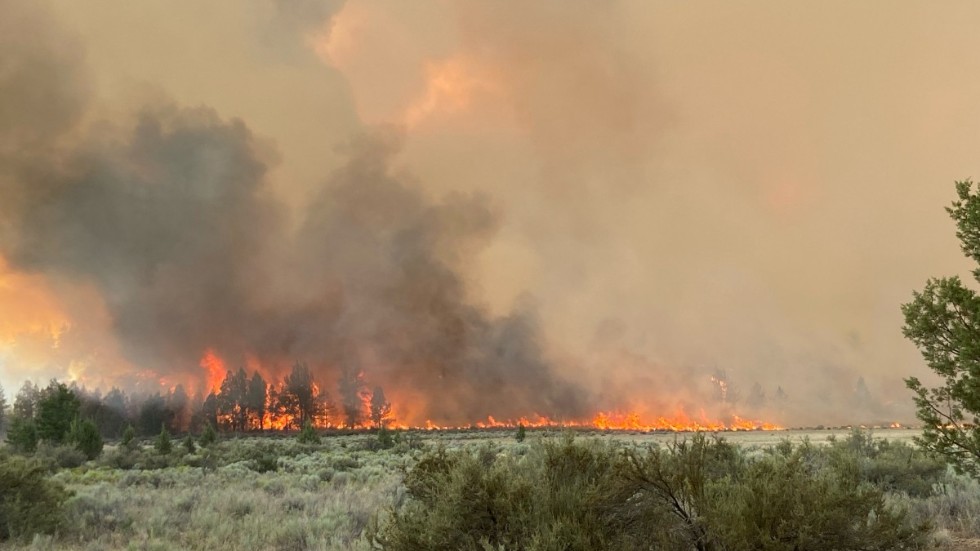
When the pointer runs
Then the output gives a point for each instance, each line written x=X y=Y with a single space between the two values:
x=214 y=368
x=299 y=399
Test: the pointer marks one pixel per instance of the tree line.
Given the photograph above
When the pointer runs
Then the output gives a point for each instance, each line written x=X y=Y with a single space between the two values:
x=61 y=413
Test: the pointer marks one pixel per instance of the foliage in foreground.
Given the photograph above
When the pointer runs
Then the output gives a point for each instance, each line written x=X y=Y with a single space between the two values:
x=943 y=320
x=30 y=503
x=702 y=494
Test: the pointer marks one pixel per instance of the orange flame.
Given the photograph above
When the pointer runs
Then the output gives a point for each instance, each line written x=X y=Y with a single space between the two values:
x=214 y=368
x=274 y=418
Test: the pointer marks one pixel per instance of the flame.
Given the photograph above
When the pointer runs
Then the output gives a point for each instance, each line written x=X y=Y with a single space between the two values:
x=214 y=368
x=620 y=421
x=276 y=419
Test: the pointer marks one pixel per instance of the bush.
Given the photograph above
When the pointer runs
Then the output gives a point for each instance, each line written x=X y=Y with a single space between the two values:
x=702 y=494
x=189 y=446
x=55 y=456
x=308 y=435
x=30 y=503
x=556 y=500
x=890 y=465
x=129 y=438
x=209 y=436
x=262 y=459
x=521 y=433
x=385 y=441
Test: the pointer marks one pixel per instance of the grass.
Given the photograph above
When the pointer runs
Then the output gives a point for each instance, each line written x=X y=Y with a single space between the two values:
x=276 y=493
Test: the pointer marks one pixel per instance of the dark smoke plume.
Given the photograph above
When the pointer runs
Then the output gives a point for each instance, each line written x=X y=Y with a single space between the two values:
x=171 y=217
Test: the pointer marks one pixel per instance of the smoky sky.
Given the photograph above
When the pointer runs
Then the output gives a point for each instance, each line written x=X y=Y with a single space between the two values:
x=171 y=217
x=506 y=209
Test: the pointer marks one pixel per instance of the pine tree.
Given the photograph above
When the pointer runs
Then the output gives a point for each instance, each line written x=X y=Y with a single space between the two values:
x=299 y=396
x=177 y=405
x=233 y=399
x=163 y=445
x=22 y=435
x=257 y=397
x=56 y=410
x=85 y=435
x=352 y=394
x=380 y=408
x=25 y=403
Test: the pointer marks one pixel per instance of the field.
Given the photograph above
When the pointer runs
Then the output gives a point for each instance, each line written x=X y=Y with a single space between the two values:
x=273 y=492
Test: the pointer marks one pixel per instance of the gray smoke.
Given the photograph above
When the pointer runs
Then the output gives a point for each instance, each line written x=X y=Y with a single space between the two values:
x=171 y=217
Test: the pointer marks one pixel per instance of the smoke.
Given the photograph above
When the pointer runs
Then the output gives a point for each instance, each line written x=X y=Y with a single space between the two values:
x=629 y=196
x=171 y=217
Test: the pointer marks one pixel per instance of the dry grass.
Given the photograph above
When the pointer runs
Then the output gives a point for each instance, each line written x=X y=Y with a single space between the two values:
x=324 y=496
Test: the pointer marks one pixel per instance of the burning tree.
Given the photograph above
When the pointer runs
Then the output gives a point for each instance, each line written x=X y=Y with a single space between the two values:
x=256 y=398
x=232 y=400
x=380 y=408
x=299 y=398
x=353 y=393
x=209 y=412
x=943 y=320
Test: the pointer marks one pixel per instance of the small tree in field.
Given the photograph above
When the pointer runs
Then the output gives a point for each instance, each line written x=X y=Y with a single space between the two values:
x=209 y=436
x=943 y=320
x=308 y=435
x=163 y=444
x=129 y=438
x=85 y=435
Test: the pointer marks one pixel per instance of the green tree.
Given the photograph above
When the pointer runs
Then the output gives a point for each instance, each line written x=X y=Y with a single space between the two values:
x=521 y=432
x=189 y=446
x=85 y=435
x=163 y=444
x=22 y=434
x=129 y=438
x=56 y=410
x=208 y=437
x=943 y=320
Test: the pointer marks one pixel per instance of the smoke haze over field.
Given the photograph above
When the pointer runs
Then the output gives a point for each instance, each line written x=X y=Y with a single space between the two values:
x=490 y=208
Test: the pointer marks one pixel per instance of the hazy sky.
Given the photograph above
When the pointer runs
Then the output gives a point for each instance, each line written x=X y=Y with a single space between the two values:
x=671 y=190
